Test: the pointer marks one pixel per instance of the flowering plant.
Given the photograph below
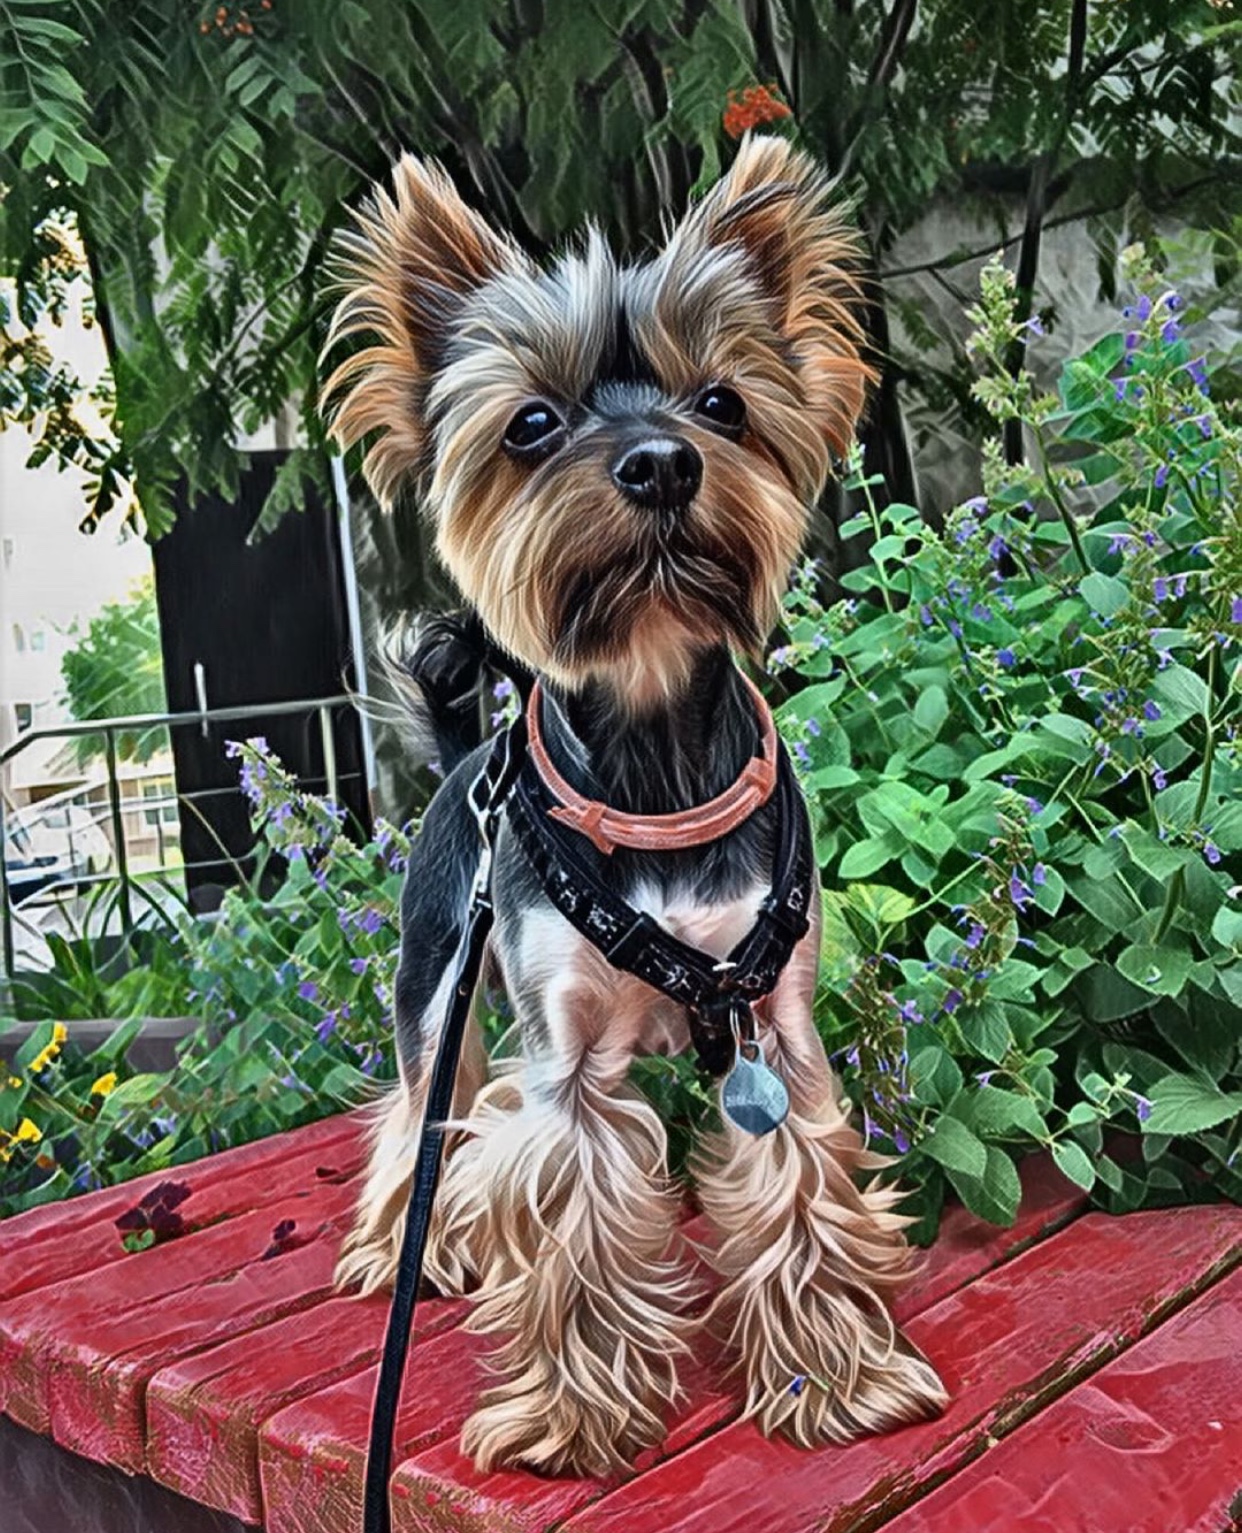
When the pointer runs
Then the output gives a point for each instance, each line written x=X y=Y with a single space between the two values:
x=294 y=992
x=1020 y=739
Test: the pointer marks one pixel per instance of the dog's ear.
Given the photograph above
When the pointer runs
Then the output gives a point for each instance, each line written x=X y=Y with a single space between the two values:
x=774 y=204
x=406 y=268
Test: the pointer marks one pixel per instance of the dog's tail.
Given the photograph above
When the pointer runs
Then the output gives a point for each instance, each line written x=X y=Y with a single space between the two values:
x=443 y=666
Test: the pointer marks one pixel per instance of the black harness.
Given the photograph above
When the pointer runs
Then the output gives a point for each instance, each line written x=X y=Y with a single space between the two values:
x=718 y=997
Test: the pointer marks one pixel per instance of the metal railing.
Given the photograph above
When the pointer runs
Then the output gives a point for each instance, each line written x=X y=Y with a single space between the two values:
x=14 y=824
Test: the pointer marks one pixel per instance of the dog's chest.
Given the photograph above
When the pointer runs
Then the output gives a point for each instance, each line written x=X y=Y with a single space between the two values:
x=582 y=996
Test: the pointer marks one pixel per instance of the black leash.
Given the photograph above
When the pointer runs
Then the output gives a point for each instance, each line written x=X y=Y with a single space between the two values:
x=487 y=797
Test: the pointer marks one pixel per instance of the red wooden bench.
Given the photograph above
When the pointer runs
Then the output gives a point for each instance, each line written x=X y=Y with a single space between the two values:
x=1095 y=1367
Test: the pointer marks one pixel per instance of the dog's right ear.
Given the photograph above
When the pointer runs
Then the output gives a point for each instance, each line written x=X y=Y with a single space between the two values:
x=406 y=269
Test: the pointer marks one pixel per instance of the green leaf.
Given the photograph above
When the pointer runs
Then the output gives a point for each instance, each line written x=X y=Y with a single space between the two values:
x=1161 y=970
x=995 y=1112
x=931 y=710
x=1181 y=693
x=866 y=857
x=1104 y=594
x=996 y=1195
x=1184 y=1104
x=957 y=1148
x=1072 y=1162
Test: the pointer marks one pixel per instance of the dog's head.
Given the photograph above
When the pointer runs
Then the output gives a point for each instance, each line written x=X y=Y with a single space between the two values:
x=619 y=460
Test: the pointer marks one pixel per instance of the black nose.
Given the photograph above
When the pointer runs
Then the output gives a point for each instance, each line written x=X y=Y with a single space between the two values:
x=662 y=473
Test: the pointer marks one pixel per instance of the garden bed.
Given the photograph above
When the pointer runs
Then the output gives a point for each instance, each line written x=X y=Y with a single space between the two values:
x=219 y=1366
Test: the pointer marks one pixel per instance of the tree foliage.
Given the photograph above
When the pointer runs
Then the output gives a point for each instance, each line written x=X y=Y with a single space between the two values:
x=207 y=154
x=116 y=669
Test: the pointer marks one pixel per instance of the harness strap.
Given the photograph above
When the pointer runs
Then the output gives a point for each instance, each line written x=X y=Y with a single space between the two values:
x=487 y=795
x=633 y=941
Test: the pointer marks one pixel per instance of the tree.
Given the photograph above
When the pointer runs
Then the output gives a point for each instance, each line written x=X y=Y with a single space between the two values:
x=207 y=156
x=115 y=670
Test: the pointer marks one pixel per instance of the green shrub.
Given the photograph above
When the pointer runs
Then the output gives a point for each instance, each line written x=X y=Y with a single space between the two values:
x=294 y=993
x=1019 y=736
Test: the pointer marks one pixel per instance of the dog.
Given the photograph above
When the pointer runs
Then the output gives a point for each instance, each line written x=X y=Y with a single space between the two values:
x=619 y=462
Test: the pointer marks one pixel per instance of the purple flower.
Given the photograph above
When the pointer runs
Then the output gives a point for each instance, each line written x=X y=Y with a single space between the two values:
x=1211 y=852
x=977 y=503
x=797 y=1384
x=1162 y=476
x=801 y=752
x=1039 y=875
x=900 y=1139
x=955 y=628
x=1160 y=588
x=1159 y=779
x=308 y=990
x=981 y=612
x=997 y=548
x=1119 y=389
x=1019 y=893
x=502 y=689
x=1198 y=374
x=1006 y=658
x=952 y=1000
x=1172 y=301
x=925 y=616
x=1235 y=610
x=326 y=1027
x=358 y=965
x=1034 y=806
x=1170 y=331
x=371 y=921
x=1204 y=424
x=910 y=1012
x=1151 y=710
x=1035 y=325
x=1142 y=1108
x=1144 y=308
x=984 y=1077
x=1132 y=340
x=812 y=728
x=975 y=935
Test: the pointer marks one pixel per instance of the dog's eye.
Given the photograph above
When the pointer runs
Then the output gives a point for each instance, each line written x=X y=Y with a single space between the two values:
x=722 y=407
x=533 y=430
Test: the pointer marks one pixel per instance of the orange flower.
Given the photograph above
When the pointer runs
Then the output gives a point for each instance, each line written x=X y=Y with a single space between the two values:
x=758 y=104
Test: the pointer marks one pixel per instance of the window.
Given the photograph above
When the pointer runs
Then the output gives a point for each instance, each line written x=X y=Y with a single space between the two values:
x=163 y=796
x=23 y=713
x=19 y=638
x=38 y=640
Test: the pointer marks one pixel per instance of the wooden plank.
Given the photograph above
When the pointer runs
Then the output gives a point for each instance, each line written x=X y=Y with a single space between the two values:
x=76 y=1356
x=334 y=1432
x=59 y=1240
x=322 y=1442
x=1005 y=1345
x=1150 y=1444
x=204 y=1412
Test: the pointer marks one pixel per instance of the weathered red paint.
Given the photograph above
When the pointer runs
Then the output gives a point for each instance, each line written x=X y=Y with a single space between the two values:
x=77 y=1355
x=1152 y=1443
x=1005 y=1345
x=204 y=1412
x=60 y=1240
x=246 y=1385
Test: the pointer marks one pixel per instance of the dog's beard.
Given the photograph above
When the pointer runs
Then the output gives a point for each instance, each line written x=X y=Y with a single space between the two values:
x=706 y=590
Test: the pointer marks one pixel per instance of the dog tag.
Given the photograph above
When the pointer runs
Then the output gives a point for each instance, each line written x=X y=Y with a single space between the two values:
x=754 y=1096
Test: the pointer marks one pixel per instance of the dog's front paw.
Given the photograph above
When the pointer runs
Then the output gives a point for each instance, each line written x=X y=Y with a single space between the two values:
x=871 y=1380
x=557 y=1434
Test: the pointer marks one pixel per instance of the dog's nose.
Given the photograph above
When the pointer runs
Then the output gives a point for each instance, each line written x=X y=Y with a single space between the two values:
x=663 y=473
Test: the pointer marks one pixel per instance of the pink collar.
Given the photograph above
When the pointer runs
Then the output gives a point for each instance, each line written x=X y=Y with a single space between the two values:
x=609 y=828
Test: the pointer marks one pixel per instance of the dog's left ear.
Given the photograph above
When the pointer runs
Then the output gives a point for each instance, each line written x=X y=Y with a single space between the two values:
x=774 y=203
x=407 y=268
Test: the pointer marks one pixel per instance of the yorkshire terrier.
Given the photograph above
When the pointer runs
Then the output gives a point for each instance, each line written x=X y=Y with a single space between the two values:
x=619 y=462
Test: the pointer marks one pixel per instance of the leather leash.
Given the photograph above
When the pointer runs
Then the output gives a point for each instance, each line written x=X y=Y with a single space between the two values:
x=487 y=798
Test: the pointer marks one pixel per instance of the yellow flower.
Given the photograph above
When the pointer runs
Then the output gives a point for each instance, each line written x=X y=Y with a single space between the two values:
x=28 y=1132
x=50 y=1050
x=15 y=1081
x=104 y=1084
